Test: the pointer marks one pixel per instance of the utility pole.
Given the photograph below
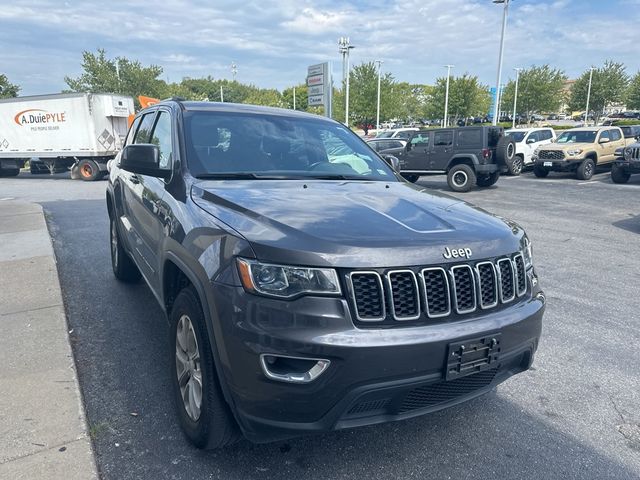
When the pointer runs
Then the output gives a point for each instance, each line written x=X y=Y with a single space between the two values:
x=294 y=98
x=343 y=47
x=445 y=122
x=586 y=113
x=515 y=96
x=221 y=94
x=379 y=62
x=496 y=111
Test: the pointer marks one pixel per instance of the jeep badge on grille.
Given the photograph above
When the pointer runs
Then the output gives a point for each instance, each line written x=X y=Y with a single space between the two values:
x=456 y=253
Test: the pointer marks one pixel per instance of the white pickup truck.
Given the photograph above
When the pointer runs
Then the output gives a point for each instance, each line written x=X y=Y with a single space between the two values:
x=77 y=131
x=527 y=140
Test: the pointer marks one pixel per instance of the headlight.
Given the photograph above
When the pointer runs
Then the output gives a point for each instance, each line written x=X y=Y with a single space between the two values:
x=286 y=281
x=577 y=151
x=627 y=153
x=527 y=252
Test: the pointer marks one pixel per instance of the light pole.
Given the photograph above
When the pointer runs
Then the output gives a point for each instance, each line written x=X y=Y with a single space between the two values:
x=234 y=70
x=515 y=96
x=496 y=111
x=294 y=98
x=343 y=47
x=586 y=113
x=379 y=62
x=445 y=123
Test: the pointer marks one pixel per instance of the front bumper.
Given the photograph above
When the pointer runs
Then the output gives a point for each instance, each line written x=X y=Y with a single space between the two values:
x=564 y=165
x=376 y=374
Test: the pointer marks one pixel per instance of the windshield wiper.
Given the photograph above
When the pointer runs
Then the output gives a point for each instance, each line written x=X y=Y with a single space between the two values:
x=242 y=176
x=339 y=177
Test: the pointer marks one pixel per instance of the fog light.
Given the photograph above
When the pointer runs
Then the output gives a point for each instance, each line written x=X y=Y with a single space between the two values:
x=292 y=369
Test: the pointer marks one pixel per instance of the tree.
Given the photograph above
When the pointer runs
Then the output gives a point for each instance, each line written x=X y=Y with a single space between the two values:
x=266 y=97
x=467 y=97
x=301 y=97
x=409 y=101
x=363 y=94
x=633 y=93
x=8 y=89
x=540 y=89
x=608 y=85
x=118 y=75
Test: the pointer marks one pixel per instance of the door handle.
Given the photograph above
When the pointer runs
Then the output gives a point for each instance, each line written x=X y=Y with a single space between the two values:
x=134 y=179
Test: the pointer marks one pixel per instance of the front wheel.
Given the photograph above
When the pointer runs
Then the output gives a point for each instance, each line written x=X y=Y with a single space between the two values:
x=488 y=179
x=586 y=169
x=461 y=178
x=202 y=411
x=618 y=175
x=540 y=172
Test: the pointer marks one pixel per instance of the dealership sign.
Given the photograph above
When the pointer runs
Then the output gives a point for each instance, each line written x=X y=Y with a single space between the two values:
x=319 y=86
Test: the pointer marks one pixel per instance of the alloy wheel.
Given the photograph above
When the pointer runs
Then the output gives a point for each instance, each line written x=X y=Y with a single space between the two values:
x=188 y=368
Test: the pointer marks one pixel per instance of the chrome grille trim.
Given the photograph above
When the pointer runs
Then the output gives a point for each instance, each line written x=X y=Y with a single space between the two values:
x=455 y=293
x=495 y=284
x=355 y=301
x=416 y=295
x=445 y=276
x=504 y=299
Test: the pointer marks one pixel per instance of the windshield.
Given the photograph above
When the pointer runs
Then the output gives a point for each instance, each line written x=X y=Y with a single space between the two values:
x=578 y=136
x=239 y=145
x=517 y=136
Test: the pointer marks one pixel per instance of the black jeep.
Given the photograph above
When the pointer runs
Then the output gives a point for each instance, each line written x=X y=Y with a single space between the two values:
x=627 y=163
x=468 y=156
x=308 y=287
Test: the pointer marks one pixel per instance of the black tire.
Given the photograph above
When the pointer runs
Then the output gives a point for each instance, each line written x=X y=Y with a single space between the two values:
x=505 y=150
x=540 y=172
x=586 y=169
x=488 y=179
x=88 y=170
x=409 y=177
x=214 y=426
x=123 y=266
x=9 y=172
x=516 y=165
x=618 y=175
x=461 y=178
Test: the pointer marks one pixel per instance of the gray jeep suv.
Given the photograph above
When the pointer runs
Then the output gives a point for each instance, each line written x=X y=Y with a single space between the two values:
x=308 y=287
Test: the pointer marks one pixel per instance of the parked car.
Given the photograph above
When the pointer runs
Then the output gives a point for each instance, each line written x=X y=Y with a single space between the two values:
x=631 y=133
x=579 y=150
x=390 y=146
x=537 y=118
x=307 y=287
x=527 y=140
x=627 y=163
x=469 y=156
x=403 y=133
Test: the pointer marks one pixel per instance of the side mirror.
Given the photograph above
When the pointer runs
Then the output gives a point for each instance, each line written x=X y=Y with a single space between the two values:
x=531 y=140
x=408 y=146
x=604 y=140
x=143 y=158
x=392 y=161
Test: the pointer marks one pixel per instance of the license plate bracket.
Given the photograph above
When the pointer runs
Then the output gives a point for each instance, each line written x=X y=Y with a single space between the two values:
x=547 y=164
x=472 y=356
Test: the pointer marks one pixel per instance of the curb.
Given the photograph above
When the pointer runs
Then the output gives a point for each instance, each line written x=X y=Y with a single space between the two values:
x=43 y=428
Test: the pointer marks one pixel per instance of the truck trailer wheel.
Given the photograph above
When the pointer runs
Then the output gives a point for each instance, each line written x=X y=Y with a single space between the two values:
x=88 y=170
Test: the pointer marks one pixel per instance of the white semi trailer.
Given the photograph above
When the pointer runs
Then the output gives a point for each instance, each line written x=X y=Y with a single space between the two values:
x=80 y=132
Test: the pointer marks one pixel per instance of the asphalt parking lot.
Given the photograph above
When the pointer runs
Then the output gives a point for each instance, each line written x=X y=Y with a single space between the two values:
x=574 y=415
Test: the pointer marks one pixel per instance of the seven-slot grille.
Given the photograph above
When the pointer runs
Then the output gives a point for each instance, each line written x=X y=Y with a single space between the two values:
x=634 y=153
x=435 y=291
x=551 y=155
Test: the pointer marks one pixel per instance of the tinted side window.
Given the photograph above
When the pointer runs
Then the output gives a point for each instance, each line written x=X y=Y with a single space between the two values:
x=144 y=131
x=405 y=134
x=420 y=139
x=162 y=138
x=605 y=134
x=443 y=139
x=546 y=135
x=614 y=135
x=470 y=137
x=132 y=131
x=534 y=136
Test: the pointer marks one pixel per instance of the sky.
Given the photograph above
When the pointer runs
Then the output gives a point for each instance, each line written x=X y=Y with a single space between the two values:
x=272 y=42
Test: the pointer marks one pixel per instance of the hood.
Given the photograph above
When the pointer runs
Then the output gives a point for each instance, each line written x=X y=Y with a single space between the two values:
x=353 y=223
x=566 y=146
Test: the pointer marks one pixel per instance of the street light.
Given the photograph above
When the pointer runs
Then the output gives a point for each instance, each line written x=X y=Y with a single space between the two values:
x=343 y=47
x=445 y=123
x=586 y=113
x=234 y=70
x=379 y=62
x=515 y=96
x=504 y=27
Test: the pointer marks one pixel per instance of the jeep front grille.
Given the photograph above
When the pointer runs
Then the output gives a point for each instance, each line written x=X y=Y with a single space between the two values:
x=434 y=292
x=634 y=153
x=551 y=155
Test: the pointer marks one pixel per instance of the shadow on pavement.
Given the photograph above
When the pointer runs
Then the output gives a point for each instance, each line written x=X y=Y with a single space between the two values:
x=631 y=224
x=120 y=343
